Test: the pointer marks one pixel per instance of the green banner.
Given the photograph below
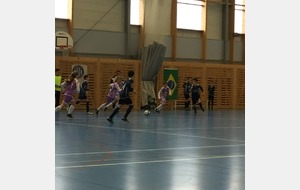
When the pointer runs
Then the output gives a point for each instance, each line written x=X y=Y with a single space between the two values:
x=171 y=76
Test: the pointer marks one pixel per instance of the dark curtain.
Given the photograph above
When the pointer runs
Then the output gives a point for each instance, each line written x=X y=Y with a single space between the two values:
x=152 y=60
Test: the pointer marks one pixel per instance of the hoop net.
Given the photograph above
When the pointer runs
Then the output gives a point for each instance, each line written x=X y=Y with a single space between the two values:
x=64 y=49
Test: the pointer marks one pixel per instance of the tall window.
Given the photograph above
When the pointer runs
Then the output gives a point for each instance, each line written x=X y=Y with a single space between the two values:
x=239 y=17
x=189 y=14
x=62 y=8
x=135 y=12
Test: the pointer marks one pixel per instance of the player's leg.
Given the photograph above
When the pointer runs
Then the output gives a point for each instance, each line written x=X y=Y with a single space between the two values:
x=71 y=108
x=57 y=98
x=194 y=101
x=87 y=107
x=59 y=107
x=128 y=102
x=188 y=102
x=115 y=111
x=200 y=104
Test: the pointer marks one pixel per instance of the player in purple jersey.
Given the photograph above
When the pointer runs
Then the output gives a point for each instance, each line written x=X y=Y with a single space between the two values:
x=69 y=88
x=114 y=90
x=162 y=96
x=112 y=80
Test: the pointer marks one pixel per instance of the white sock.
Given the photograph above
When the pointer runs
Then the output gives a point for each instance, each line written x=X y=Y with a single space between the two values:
x=58 y=108
x=108 y=104
x=159 y=107
x=102 y=106
x=71 y=108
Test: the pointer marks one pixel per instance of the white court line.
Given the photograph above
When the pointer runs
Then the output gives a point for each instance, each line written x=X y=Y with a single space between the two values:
x=200 y=128
x=147 y=131
x=148 y=162
x=147 y=150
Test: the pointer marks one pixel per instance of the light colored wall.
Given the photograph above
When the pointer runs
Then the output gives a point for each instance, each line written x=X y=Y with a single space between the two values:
x=214 y=21
x=61 y=25
x=106 y=15
x=101 y=31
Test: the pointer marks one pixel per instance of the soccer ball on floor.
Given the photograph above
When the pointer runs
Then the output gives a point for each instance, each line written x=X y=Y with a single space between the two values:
x=146 y=112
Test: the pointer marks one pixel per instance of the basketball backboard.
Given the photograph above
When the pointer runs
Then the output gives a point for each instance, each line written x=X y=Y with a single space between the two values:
x=63 y=40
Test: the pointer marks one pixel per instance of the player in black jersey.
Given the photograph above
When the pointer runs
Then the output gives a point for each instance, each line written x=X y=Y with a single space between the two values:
x=211 y=96
x=83 y=94
x=196 y=90
x=124 y=98
x=187 y=85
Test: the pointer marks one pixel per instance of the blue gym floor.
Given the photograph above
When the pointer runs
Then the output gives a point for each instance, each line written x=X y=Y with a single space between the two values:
x=173 y=150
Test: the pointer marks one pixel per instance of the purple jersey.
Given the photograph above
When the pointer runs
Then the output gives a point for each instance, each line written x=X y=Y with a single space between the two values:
x=163 y=93
x=70 y=89
x=113 y=91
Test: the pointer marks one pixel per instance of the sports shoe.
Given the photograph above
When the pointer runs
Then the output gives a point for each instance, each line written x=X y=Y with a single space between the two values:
x=156 y=110
x=125 y=119
x=109 y=119
x=69 y=115
x=89 y=113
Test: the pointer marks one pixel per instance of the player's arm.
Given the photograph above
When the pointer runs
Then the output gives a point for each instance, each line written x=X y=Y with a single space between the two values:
x=77 y=86
x=118 y=87
x=201 y=88
x=159 y=92
x=63 y=86
x=84 y=87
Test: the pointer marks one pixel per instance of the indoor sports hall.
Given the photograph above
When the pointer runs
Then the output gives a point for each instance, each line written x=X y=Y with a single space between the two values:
x=197 y=48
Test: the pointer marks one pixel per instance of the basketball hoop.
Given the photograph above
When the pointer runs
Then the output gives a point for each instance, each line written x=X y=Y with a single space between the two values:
x=63 y=42
x=64 y=49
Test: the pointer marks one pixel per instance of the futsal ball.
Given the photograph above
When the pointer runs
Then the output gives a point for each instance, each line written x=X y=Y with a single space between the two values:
x=146 y=112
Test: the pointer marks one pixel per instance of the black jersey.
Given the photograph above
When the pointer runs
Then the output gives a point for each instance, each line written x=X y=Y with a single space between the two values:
x=211 y=90
x=196 y=89
x=83 y=88
x=187 y=87
x=126 y=88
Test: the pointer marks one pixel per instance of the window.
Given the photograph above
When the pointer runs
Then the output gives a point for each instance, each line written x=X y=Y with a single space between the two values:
x=189 y=14
x=135 y=12
x=62 y=8
x=239 y=17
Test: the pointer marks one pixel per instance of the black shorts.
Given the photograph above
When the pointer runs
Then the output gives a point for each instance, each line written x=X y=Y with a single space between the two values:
x=195 y=99
x=82 y=97
x=187 y=96
x=126 y=101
